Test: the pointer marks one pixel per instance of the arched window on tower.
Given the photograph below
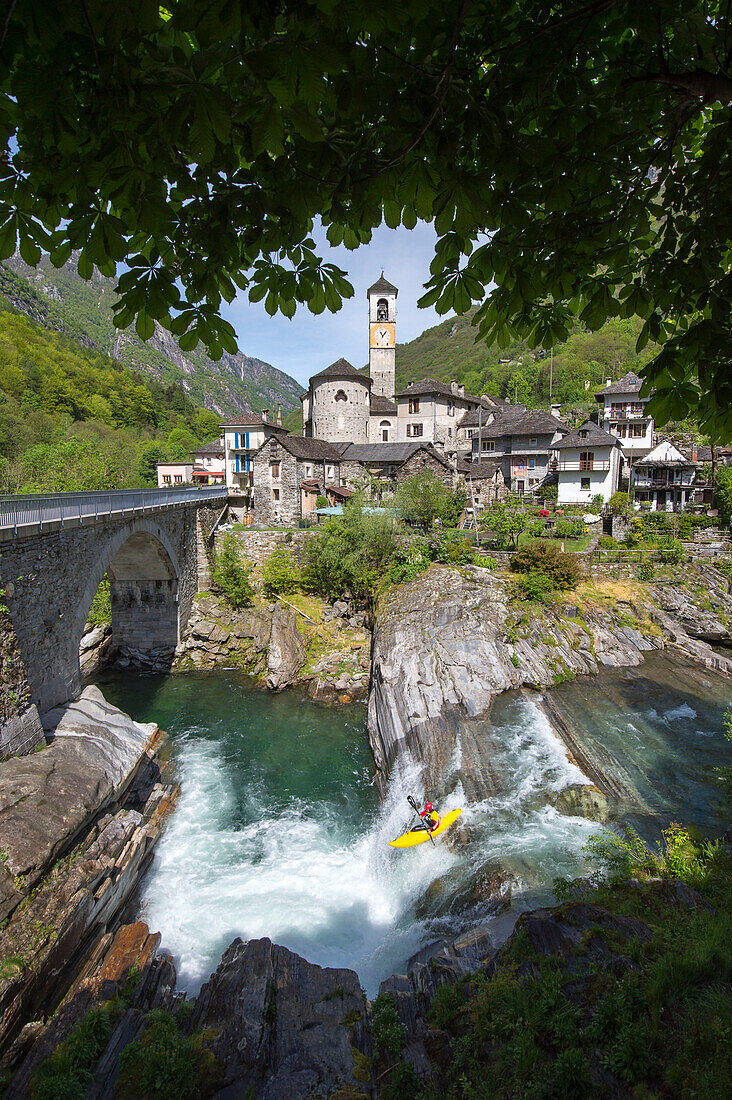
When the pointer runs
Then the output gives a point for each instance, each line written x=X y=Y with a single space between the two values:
x=384 y=427
x=382 y=310
x=341 y=396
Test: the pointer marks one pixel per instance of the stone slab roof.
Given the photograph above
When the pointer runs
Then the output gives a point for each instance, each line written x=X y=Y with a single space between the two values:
x=382 y=286
x=342 y=369
x=478 y=470
x=382 y=406
x=629 y=383
x=424 y=386
x=396 y=453
x=515 y=421
x=596 y=437
x=215 y=448
x=314 y=450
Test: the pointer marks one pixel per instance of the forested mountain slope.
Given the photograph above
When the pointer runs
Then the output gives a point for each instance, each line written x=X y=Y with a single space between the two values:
x=72 y=418
x=449 y=351
x=61 y=300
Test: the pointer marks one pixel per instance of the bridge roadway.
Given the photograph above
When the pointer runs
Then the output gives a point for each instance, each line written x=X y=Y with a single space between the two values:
x=55 y=550
x=36 y=513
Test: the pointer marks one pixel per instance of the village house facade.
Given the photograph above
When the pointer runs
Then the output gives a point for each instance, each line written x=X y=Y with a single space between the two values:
x=664 y=479
x=243 y=437
x=521 y=443
x=209 y=466
x=588 y=464
x=623 y=414
x=171 y=474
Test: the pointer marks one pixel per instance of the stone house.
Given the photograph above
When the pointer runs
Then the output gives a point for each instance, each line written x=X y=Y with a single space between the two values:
x=289 y=473
x=433 y=411
x=484 y=484
x=391 y=463
x=664 y=479
x=588 y=464
x=520 y=441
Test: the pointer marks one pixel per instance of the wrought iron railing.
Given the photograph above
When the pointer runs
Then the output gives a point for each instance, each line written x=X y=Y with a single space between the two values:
x=22 y=511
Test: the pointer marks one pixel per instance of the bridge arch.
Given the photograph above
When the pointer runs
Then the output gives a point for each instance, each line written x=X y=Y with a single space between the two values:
x=144 y=572
x=50 y=578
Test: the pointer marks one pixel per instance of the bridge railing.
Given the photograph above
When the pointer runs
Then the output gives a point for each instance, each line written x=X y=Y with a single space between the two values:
x=42 y=508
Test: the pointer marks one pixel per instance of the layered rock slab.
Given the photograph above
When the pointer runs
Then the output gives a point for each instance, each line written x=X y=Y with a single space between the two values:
x=284 y=1027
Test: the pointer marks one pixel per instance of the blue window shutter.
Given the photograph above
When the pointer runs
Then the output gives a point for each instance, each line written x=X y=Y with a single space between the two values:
x=236 y=464
x=236 y=440
x=246 y=440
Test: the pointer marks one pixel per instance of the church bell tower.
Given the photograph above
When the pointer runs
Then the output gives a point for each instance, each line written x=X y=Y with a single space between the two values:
x=382 y=298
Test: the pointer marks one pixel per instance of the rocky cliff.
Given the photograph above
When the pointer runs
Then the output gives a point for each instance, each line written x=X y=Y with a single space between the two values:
x=450 y=641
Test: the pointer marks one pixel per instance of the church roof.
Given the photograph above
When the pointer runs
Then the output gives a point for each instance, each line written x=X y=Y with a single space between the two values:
x=382 y=406
x=595 y=437
x=342 y=369
x=382 y=286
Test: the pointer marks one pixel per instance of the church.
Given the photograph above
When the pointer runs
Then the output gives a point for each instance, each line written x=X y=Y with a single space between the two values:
x=345 y=405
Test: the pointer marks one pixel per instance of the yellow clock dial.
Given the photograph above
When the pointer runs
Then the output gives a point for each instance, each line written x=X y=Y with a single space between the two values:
x=382 y=334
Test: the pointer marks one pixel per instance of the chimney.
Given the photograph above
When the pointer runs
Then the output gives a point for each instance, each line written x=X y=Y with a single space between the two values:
x=556 y=411
x=693 y=452
x=454 y=386
x=265 y=415
x=461 y=390
x=608 y=382
x=279 y=415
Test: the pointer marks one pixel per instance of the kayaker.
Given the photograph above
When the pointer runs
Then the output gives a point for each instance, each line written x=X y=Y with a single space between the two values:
x=426 y=815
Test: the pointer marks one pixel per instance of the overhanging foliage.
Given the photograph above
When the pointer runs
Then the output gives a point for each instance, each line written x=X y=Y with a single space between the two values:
x=576 y=154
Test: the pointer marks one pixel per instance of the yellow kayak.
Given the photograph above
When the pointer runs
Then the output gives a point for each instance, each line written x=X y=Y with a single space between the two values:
x=419 y=836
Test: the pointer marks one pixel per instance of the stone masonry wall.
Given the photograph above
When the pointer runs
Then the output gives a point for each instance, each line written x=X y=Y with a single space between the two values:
x=284 y=512
x=423 y=461
x=50 y=580
x=20 y=726
x=258 y=545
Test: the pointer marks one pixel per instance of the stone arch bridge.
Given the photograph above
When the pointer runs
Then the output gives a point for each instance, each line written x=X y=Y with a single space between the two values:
x=55 y=550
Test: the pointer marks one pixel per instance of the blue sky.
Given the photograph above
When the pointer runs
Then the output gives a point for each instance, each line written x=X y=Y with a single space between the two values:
x=306 y=343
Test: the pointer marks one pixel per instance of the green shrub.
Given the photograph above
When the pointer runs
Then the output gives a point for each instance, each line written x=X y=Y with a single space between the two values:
x=484 y=562
x=646 y=571
x=386 y=1027
x=321 y=501
x=280 y=573
x=607 y=542
x=231 y=576
x=165 y=1065
x=570 y=529
x=619 y=503
x=100 y=612
x=403 y=1084
x=670 y=549
x=540 y=558
x=351 y=553
x=535 y=587
x=67 y=1073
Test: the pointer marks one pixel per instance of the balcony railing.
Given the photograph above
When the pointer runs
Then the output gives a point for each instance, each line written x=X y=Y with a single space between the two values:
x=661 y=483
x=583 y=465
x=610 y=414
x=74 y=508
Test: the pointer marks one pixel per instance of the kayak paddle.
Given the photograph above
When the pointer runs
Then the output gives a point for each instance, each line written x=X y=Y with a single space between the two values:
x=414 y=806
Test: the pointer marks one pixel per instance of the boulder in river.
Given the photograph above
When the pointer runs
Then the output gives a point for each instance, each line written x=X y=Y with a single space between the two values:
x=284 y=1027
x=286 y=654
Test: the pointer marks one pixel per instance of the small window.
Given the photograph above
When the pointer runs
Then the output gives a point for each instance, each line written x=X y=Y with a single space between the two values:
x=414 y=405
x=450 y=409
x=166 y=479
x=329 y=471
x=532 y=442
x=532 y=463
x=489 y=444
x=415 y=430
x=274 y=469
x=583 y=433
x=585 y=483
x=341 y=396
x=178 y=479
x=449 y=433
x=275 y=494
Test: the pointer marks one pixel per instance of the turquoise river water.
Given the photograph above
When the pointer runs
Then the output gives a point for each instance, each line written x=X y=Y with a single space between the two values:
x=279 y=832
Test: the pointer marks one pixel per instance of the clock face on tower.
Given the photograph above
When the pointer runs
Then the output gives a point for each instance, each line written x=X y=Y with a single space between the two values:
x=382 y=334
